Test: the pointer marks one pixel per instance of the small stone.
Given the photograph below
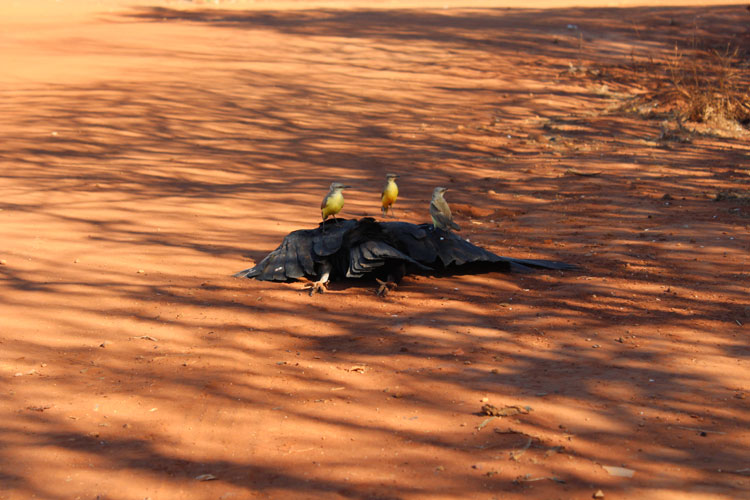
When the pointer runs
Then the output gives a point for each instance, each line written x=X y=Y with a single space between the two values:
x=599 y=494
x=141 y=271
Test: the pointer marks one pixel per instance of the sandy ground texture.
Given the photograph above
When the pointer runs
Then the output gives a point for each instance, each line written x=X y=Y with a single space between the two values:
x=150 y=150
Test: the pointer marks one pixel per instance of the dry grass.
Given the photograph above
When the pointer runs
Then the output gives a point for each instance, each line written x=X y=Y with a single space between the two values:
x=699 y=85
x=708 y=86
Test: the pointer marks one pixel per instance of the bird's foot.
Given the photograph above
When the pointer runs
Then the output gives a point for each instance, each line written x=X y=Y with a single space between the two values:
x=385 y=287
x=316 y=286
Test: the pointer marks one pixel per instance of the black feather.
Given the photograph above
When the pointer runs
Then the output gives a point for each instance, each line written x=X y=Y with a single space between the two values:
x=357 y=248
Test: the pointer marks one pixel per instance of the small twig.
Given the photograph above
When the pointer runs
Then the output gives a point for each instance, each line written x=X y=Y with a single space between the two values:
x=516 y=454
x=510 y=431
x=299 y=451
x=485 y=422
x=146 y=337
x=527 y=479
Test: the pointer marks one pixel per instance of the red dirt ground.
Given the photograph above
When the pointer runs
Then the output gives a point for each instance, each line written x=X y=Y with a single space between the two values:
x=152 y=150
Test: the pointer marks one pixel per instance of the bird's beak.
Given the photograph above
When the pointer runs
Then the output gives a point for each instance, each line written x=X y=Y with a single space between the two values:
x=345 y=187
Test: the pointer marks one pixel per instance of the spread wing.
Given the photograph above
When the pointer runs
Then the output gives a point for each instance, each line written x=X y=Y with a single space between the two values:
x=374 y=254
x=300 y=252
x=354 y=249
x=292 y=259
x=441 y=249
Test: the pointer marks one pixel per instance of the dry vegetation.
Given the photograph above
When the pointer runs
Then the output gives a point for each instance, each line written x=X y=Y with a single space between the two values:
x=708 y=85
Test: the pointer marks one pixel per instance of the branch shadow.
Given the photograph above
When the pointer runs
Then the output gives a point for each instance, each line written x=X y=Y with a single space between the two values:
x=189 y=177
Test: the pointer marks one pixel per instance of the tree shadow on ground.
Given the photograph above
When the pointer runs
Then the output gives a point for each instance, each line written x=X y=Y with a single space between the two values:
x=168 y=173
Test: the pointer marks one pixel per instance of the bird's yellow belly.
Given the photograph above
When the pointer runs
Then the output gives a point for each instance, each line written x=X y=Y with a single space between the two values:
x=333 y=206
x=389 y=195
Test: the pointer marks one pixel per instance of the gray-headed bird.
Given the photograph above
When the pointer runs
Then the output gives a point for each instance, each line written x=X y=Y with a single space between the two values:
x=333 y=202
x=390 y=193
x=441 y=212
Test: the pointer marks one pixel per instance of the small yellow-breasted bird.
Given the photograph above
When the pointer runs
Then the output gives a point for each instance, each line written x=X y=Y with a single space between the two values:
x=334 y=201
x=389 y=194
x=441 y=212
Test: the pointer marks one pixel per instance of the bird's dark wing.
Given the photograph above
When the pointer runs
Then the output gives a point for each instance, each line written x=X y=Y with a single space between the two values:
x=329 y=236
x=412 y=240
x=441 y=249
x=374 y=254
x=300 y=252
x=435 y=247
x=355 y=248
x=452 y=250
x=292 y=259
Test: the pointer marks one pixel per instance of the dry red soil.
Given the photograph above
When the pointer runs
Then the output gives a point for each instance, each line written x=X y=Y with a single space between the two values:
x=150 y=150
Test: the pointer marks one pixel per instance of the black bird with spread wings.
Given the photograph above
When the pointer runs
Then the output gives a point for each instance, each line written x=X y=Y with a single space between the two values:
x=385 y=251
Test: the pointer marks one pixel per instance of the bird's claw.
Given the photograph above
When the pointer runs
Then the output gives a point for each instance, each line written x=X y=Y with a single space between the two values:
x=385 y=287
x=316 y=286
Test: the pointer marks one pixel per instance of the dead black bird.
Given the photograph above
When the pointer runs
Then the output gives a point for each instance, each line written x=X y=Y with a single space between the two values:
x=384 y=251
x=348 y=249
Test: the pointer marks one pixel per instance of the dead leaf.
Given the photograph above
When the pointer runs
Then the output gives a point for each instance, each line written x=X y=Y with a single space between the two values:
x=39 y=408
x=506 y=411
x=572 y=171
x=618 y=471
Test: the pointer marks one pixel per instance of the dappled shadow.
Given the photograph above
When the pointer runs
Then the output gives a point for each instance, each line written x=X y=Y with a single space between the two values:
x=128 y=203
